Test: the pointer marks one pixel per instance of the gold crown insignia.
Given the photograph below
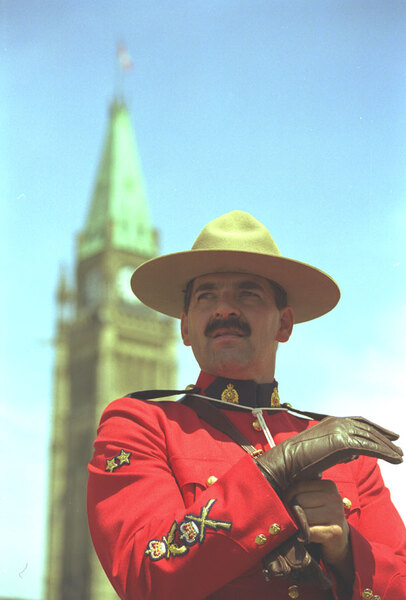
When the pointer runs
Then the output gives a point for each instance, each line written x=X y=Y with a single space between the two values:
x=275 y=401
x=230 y=394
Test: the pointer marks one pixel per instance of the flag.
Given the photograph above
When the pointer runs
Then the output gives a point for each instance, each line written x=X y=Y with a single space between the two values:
x=124 y=57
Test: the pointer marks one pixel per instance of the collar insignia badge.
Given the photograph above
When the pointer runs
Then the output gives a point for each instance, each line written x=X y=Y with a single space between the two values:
x=275 y=401
x=230 y=394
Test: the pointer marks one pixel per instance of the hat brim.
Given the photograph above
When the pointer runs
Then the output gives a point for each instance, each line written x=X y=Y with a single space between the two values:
x=160 y=282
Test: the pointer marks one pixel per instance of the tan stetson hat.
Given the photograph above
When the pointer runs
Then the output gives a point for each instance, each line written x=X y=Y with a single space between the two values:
x=235 y=242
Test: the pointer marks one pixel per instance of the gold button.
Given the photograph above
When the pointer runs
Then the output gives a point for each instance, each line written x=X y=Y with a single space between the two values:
x=376 y=597
x=260 y=540
x=212 y=479
x=367 y=594
x=293 y=591
x=189 y=387
x=347 y=503
x=275 y=529
x=256 y=426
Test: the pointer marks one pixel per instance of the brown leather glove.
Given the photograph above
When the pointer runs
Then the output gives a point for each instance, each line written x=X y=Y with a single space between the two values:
x=292 y=559
x=334 y=440
x=296 y=558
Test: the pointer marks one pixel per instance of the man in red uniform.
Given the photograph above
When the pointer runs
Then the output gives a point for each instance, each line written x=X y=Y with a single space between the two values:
x=226 y=494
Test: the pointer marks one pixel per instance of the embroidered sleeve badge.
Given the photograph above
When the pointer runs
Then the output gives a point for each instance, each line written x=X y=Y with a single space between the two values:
x=166 y=547
x=199 y=524
x=191 y=531
x=111 y=464
x=123 y=459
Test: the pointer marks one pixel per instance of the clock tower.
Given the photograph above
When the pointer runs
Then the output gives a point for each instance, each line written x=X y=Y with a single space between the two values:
x=107 y=344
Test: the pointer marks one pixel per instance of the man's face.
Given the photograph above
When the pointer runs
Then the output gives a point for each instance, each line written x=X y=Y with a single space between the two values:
x=234 y=326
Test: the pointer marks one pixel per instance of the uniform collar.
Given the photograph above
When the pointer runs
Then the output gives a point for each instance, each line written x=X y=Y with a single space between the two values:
x=240 y=392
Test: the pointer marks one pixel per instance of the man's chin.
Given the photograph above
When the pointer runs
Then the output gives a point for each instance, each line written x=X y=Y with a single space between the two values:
x=230 y=364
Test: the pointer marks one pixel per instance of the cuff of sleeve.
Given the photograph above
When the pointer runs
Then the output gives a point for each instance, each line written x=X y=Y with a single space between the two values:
x=262 y=520
x=268 y=476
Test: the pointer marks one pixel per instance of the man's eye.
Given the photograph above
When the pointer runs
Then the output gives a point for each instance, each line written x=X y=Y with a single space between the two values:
x=205 y=296
x=249 y=294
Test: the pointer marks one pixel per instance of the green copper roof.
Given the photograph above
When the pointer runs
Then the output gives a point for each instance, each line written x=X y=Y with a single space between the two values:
x=118 y=215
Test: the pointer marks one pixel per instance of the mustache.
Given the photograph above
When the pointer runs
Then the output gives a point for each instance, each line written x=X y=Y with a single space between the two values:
x=234 y=323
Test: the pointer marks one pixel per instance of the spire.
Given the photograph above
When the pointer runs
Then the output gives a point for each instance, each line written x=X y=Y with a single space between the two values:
x=65 y=297
x=118 y=215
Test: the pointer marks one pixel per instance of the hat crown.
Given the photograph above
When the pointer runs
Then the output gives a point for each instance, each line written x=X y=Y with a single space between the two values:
x=234 y=243
x=236 y=230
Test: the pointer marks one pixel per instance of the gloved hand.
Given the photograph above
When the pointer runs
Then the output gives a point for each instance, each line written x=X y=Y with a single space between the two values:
x=334 y=440
x=292 y=559
x=296 y=558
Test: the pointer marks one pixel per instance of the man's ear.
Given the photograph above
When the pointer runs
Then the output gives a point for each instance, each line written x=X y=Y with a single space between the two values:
x=184 y=329
x=285 y=325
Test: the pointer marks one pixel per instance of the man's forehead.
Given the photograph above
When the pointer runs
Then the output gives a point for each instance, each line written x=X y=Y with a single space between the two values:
x=230 y=278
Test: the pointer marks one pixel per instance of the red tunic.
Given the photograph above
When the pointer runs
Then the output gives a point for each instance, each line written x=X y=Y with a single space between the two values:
x=178 y=510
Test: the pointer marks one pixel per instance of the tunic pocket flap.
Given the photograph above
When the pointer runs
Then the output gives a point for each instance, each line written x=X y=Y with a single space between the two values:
x=190 y=470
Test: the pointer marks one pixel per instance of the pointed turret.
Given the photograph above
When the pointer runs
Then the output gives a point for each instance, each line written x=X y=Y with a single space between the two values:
x=119 y=216
x=65 y=297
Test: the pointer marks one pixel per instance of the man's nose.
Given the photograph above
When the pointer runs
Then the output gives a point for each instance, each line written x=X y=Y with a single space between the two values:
x=226 y=308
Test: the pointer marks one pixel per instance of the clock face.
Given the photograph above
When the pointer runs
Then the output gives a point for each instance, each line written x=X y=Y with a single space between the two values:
x=123 y=285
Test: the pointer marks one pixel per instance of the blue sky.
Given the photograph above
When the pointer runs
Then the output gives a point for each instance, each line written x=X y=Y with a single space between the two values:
x=295 y=112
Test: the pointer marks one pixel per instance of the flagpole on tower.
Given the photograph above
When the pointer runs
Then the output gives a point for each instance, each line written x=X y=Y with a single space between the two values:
x=124 y=65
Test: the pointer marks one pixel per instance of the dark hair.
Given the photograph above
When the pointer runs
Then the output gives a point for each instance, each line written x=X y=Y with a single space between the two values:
x=187 y=296
x=281 y=299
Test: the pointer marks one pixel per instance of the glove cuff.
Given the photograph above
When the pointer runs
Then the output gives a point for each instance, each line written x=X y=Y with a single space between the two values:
x=268 y=476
